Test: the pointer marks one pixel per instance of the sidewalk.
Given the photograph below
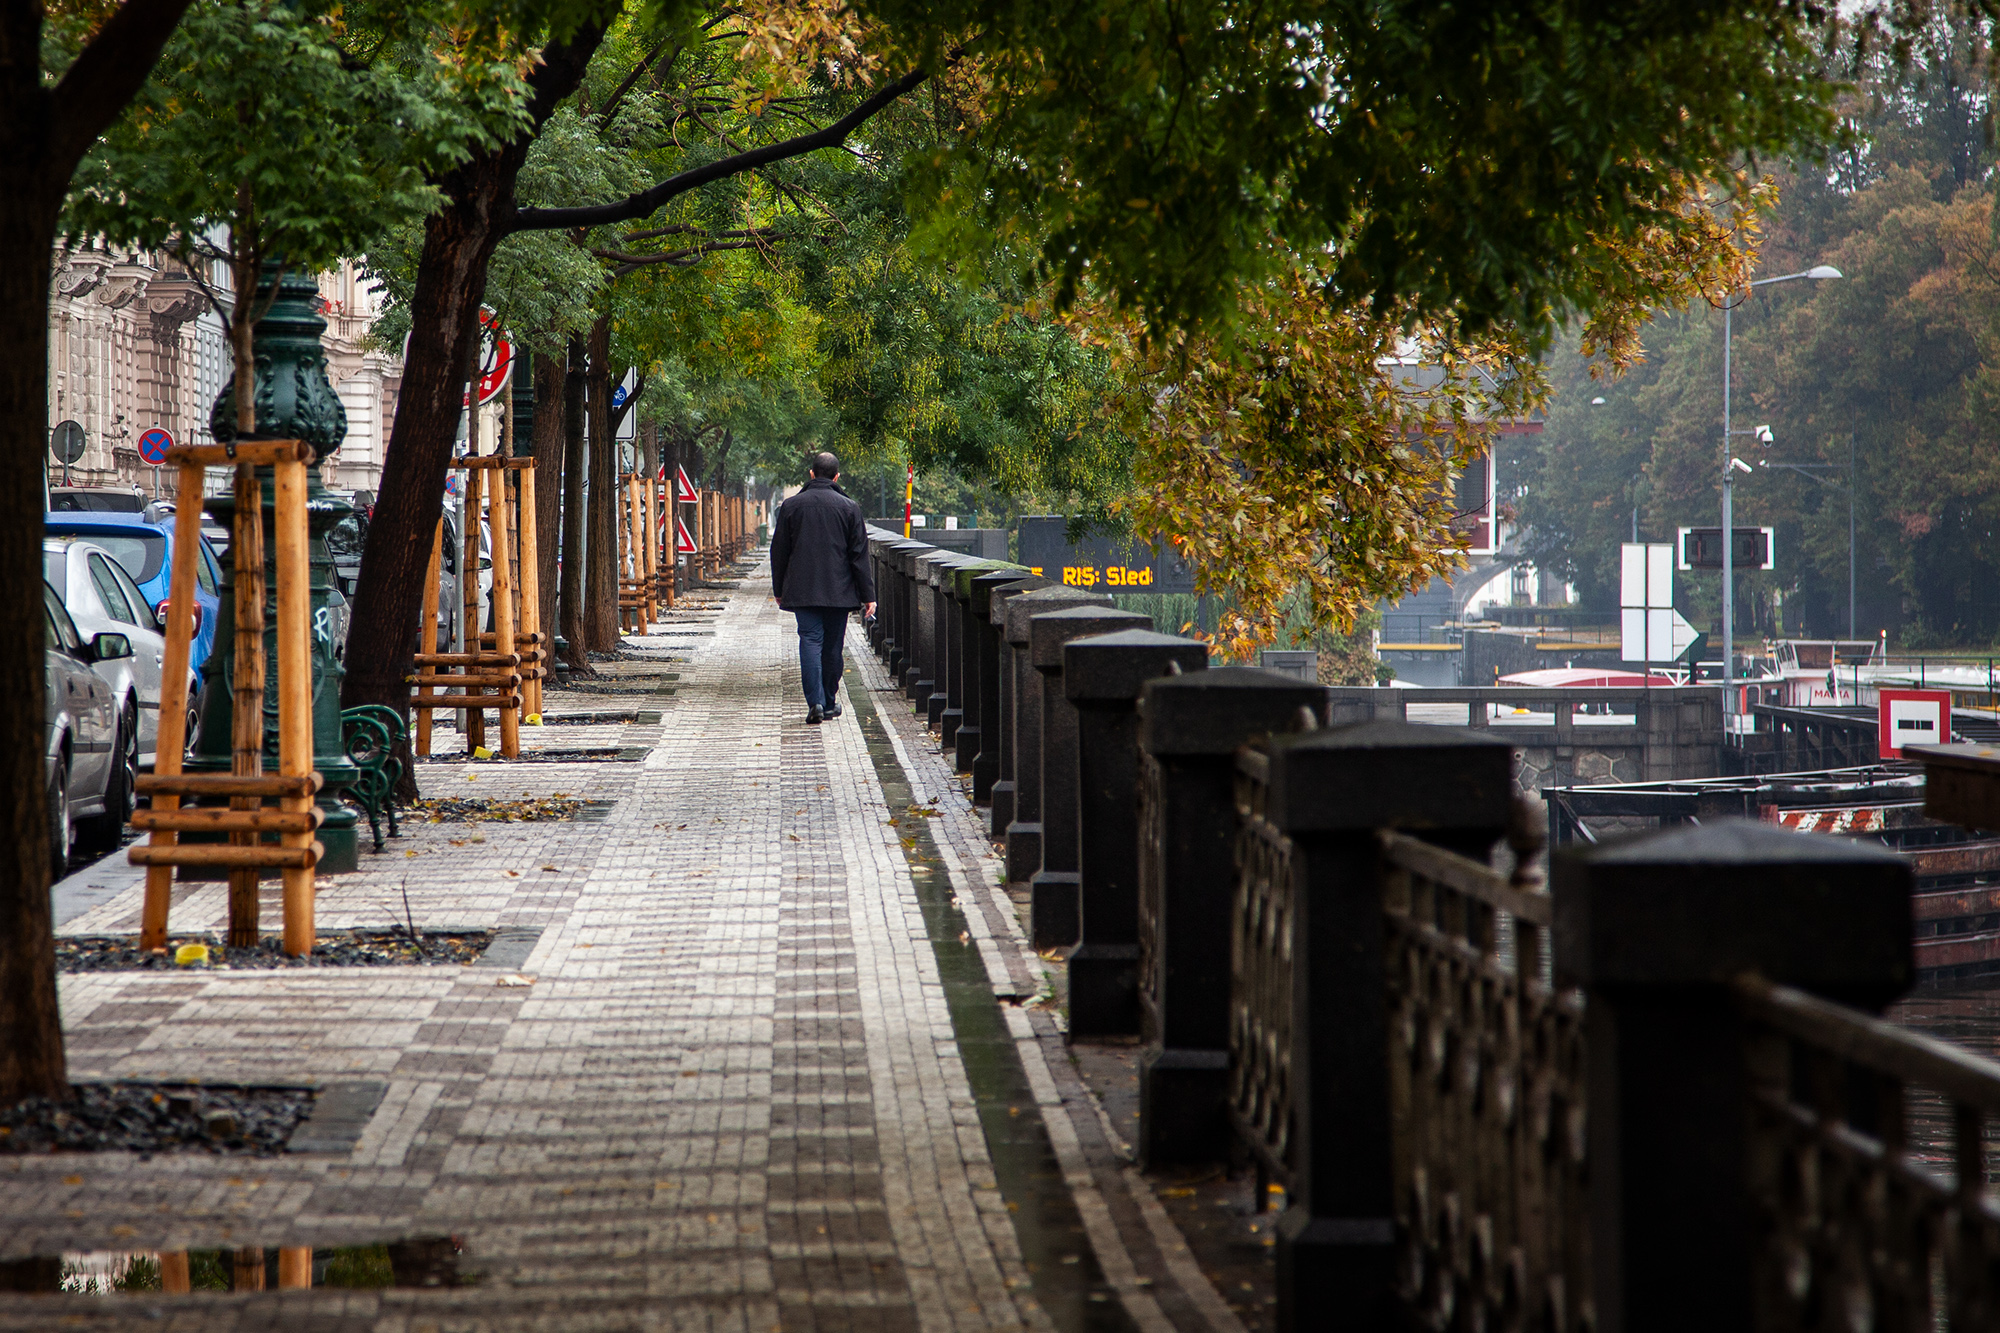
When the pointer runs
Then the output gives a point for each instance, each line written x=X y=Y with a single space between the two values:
x=777 y=1067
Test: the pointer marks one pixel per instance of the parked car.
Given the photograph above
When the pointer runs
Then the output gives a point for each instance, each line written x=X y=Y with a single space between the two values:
x=146 y=551
x=82 y=726
x=102 y=598
x=95 y=500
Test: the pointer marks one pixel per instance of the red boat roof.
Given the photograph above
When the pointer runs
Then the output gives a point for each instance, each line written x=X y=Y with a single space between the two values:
x=1585 y=677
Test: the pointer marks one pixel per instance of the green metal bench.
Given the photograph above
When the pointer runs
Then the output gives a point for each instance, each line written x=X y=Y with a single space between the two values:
x=371 y=735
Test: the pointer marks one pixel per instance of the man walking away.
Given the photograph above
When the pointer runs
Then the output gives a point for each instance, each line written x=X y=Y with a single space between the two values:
x=819 y=572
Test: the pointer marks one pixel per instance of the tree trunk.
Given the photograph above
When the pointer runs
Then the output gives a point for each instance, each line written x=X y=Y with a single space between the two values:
x=451 y=279
x=42 y=137
x=548 y=450
x=601 y=597
x=576 y=461
x=31 y=1046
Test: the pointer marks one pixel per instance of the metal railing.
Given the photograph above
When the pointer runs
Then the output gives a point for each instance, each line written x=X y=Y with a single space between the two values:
x=1260 y=1001
x=1487 y=1090
x=1856 y=1219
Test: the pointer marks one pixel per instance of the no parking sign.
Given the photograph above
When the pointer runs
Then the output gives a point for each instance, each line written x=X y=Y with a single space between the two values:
x=153 y=445
x=1912 y=717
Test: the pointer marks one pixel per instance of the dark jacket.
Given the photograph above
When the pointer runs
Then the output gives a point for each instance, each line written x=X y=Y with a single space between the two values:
x=819 y=554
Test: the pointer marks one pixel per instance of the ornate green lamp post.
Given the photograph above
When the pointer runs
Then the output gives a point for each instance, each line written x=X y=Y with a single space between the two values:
x=295 y=400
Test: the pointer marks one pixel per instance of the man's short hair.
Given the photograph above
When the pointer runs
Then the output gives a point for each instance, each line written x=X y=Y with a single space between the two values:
x=825 y=465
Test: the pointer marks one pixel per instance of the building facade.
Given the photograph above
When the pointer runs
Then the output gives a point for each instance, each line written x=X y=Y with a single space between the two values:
x=135 y=343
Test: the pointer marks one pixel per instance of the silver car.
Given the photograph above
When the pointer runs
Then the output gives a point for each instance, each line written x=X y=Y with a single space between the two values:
x=82 y=737
x=102 y=599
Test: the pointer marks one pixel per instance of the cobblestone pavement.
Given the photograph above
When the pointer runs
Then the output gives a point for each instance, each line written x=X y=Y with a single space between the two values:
x=734 y=1083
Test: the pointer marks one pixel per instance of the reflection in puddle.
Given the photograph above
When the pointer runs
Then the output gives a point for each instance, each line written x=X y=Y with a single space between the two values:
x=435 y=1261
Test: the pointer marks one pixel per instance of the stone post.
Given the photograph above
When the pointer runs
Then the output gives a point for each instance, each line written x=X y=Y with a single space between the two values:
x=923 y=580
x=1655 y=929
x=1001 y=744
x=971 y=651
x=944 y=615
x=957 y=592
x=979 y=734
x=1102 y=677
x=1329 y=792
x=1190 y=727
x=894 y=602
x=1053 y=889
x=1024 y=828
x=910 y=630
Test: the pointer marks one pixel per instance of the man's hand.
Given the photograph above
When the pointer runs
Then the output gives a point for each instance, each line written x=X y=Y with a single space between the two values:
x=868 y=611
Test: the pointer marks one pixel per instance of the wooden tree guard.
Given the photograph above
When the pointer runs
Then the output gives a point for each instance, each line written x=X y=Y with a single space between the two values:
x=638 y=590
x=297 y=852
x=503 y=668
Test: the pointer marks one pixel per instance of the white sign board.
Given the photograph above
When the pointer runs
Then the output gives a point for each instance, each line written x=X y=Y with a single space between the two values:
x=1649 y=629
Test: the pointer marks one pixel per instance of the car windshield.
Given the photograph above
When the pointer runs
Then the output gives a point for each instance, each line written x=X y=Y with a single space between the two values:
x=141 y=552
x=96 y=502
x=343 y=541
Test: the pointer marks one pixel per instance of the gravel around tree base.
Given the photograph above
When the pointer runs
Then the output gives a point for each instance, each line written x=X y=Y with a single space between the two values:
x=156 y=1117
x=380 y=948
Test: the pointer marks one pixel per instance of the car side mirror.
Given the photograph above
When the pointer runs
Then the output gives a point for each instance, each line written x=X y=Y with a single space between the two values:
x=109 y=647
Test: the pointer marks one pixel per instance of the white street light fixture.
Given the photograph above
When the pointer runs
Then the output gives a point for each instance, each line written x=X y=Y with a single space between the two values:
x=1818 y=273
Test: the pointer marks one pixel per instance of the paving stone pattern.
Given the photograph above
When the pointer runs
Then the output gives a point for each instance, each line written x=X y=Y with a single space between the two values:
x=728 y=1098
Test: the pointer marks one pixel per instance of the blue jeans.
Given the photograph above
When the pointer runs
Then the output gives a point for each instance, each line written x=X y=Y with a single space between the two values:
x=822 y=632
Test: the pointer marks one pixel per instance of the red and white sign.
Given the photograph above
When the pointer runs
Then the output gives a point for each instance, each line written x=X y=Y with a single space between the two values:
x=683 y=540
x=1912 y=717
x=683 y=488
x=496 y=357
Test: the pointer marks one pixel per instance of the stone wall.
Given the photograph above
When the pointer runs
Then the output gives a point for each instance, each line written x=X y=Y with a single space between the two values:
x=1569 y=736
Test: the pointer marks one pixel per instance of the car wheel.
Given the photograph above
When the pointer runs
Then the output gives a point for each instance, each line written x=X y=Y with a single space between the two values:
x=103 y=833
x=59 y=825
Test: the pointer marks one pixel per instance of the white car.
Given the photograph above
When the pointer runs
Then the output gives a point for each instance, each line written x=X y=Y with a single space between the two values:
x=102 y=599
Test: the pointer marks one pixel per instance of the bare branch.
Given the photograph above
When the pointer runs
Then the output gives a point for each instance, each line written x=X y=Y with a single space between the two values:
x=647 y=202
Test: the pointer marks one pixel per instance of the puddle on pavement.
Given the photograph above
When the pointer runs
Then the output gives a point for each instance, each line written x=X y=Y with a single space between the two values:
x=430 y=1261
x=1068 y=1278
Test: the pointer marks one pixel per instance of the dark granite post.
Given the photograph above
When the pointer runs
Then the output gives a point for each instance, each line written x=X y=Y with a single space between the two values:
x=971 y=657
x=902 y=554
x=922 y=577
x=1102 y=677
x=944 y=613
x=1053 y=912
x=1189 y=729
x=878 y=629
x=1000 y=745
x=1330 y=791
x=1024 y=829
x=1655 y=929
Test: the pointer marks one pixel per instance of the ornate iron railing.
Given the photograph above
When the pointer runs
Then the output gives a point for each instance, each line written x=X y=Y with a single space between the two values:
x=1260 y=999
x=1152 y=890
x=1487 y=1095
x=1858 y=1229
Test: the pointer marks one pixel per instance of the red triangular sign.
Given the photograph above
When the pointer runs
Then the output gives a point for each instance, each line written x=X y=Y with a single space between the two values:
x=683 y=488
x=683 y=542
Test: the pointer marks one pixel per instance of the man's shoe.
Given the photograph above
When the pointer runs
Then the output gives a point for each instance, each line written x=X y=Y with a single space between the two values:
x=814 y=716
x=832 y=711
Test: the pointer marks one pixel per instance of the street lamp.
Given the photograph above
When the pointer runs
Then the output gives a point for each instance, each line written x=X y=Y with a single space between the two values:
x=1817 y=273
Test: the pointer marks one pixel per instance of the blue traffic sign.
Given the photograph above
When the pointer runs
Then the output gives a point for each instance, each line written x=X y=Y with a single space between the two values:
x=618 y=398
x=153 y=445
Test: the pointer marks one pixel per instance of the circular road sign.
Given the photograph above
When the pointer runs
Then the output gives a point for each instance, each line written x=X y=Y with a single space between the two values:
x=67 y=441
x=153 y=445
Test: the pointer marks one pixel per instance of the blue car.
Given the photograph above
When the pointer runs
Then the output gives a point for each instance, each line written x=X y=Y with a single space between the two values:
x=146 y=551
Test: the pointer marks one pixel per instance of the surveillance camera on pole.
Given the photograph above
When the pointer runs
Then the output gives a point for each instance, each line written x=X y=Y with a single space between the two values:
x=1764 y=437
